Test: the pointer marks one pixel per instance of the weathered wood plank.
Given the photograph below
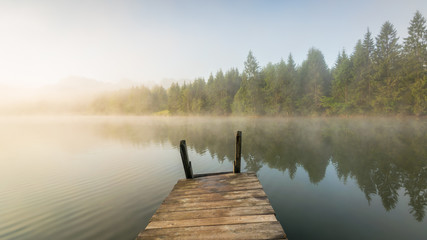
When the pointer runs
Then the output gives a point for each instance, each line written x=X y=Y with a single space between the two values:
x=209 y=197
x=209 y=174
x=231 y=181
x=226 y=206
x=211 y=213
x=215 y=189
x=212 y=221
x=211 y=205
x=186 y=192
x=222 y=176
x=247 y=182
x=265 y=230
x=254 y=185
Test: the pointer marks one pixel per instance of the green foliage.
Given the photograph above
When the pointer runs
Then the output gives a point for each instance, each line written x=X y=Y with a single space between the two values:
x=136 y=100
x=341 y=83
x=362 y=72
x=415 y=64
x=250 y=97
x=387 y=66
x=174 y=98
x=378 y=77
x=314 y=82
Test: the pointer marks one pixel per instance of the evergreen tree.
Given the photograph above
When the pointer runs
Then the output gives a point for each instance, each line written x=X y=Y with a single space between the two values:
x=220 y=94
x=290 y=90
x=415 y=51
x=369 y=49
x=232 y=85
x=174 y=98
x=342 y=76
x=185 y=106
x=210 y=94
x=388 y=84
x=249 y=98
x=159 y=98
x=198 y=96
x=273 y=90
x=314 y=82
x=363 y=73
x=380 y=77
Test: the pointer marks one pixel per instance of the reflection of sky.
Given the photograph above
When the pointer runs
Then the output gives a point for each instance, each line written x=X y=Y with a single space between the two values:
x=60 y=180
x=109 y=174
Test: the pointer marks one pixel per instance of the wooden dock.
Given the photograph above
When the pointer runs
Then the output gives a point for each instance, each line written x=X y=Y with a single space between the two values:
x=227 y=206
x=215 y=206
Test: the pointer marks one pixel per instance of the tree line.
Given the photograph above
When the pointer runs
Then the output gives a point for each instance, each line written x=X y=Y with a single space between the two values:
x=380 y=76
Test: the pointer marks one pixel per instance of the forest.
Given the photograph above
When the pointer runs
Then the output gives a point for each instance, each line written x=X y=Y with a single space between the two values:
x=380 y=77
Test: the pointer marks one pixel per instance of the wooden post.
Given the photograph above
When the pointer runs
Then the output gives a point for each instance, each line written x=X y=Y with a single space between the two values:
x=238 y=152
x=184 y=156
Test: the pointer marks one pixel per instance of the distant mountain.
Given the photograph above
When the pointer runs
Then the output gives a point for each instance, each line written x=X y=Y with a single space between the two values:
x=74 y=86
x=73 y=90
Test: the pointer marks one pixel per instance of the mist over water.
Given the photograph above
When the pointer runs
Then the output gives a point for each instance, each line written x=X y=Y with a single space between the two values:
x=103 y=177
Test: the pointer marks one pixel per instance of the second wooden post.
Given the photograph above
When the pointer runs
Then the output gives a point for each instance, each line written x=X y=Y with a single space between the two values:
x=238 y=152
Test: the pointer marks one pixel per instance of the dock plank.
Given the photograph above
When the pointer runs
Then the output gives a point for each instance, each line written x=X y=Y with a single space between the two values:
x=249 y=231
x=215 y=189
x=212 y=221
x=222 y=206
x=211 y=213
x=209 y=197
x=211 y=205
x=234 y=182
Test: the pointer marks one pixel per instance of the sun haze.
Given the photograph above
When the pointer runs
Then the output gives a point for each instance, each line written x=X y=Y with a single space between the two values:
x=150 y=42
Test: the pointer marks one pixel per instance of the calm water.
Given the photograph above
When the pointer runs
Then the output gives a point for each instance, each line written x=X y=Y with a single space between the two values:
x=103 y=177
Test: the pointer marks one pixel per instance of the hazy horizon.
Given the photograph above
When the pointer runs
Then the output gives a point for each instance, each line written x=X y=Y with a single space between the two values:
x=157 y=42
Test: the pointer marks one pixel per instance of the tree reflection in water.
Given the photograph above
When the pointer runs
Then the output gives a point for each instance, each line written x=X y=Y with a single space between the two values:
x=382 y=155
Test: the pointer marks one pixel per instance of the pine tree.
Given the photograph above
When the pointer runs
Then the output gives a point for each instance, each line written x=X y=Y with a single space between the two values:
x=342 y=76
x=174 y=98
x=231 y=86
x=210 y=94
x=159 y=98
x=363 y=71
x=249 y=98
x=388 y=84
x=415 y=51
x=198 y=96
x=290 y=86
x=274 y=85
x=220 y=93
x=251 y=67
x=314 y=82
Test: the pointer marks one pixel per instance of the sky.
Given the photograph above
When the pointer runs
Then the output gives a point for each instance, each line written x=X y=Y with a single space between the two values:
x=152 y=42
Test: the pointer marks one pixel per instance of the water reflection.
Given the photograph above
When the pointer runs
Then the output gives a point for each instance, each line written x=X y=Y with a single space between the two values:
x=382 y=155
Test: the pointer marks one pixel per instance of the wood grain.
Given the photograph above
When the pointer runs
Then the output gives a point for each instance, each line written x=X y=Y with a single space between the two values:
x=225 y=206
x=264 y=230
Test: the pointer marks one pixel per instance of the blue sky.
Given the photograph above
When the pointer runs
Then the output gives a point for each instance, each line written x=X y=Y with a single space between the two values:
x=149 y=41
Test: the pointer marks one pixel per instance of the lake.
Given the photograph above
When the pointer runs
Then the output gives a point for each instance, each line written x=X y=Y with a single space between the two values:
x=103 y=177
